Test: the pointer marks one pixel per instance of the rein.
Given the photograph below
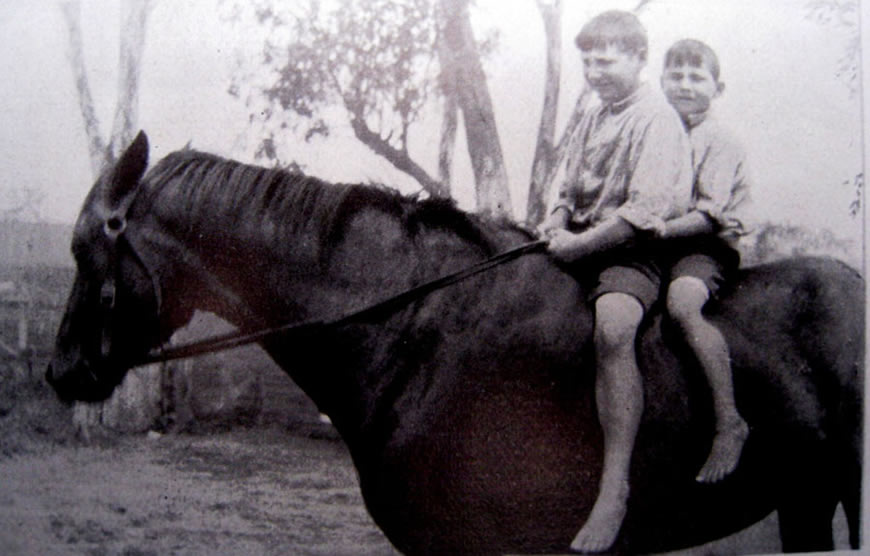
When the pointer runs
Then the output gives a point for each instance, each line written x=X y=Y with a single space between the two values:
x=385 y=306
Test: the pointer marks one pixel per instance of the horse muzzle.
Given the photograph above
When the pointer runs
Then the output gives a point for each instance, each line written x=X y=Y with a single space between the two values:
x=78 y=383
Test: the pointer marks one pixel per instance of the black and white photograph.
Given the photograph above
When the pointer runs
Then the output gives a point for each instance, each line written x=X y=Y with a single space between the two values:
x=432 y=277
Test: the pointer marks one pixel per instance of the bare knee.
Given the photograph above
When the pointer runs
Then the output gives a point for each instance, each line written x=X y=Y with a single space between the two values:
x=617 y=317
x=686 y=298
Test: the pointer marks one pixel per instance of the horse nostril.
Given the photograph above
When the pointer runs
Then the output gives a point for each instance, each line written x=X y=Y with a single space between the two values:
x=49 y=377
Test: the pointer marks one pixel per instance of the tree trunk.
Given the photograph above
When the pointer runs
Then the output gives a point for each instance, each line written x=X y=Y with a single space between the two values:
x=447 y=143
x=539 y=184
x=472 y=96
x=450 y=116
x=134 y=19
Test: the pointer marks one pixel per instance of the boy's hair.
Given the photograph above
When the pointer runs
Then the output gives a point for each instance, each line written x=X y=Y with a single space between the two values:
x=613 y=27
x=691 y=52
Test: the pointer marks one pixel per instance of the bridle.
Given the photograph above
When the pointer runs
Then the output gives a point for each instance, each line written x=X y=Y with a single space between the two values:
x=115 y=228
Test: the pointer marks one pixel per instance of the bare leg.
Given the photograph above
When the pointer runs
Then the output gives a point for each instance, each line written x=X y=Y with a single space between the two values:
x=619 y=396
x=686 y=298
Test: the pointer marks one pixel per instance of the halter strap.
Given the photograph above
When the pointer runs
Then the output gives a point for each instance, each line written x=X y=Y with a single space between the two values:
x=114 y=228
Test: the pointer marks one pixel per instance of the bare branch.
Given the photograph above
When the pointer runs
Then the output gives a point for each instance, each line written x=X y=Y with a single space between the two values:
x=542 y=166
x=400 y=159
x=641 y=5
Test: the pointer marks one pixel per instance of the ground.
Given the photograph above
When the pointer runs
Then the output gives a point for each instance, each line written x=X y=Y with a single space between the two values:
x=245 y=492
x=256 y=490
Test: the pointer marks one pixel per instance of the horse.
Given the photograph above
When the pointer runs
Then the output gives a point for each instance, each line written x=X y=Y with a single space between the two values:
x=469 y=412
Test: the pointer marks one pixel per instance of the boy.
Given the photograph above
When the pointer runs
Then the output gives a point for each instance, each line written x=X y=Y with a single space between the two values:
x=628 y=170
x=705 y=238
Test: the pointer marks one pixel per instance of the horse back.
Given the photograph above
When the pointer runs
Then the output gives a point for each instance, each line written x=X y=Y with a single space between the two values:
x=795 y=331
x=802 y=317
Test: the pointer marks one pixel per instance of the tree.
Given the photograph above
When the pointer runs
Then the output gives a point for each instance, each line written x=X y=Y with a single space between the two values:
x=382 y=62
x=843 y=16
x=373 y=59
x=104 y=151
x=134 y=16
x=465 y=85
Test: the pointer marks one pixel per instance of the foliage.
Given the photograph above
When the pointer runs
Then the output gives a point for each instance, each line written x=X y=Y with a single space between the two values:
x=773 y=241
x=843 y=16
x=376 y=59
x=857 y=184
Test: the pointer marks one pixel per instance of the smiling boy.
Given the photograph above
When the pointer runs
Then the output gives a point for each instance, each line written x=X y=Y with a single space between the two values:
x=704 y=239
x=628 y=170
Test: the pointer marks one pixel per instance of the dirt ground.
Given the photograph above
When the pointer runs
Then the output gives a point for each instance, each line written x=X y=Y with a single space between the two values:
x=246 y=491
x=255 y=491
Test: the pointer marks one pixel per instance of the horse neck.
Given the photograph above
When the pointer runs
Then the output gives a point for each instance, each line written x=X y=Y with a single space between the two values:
x=245 y=274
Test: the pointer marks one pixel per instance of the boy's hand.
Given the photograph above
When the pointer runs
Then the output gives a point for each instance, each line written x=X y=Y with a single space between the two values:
x=566 y=246
x=546 y=231
x=556 y=221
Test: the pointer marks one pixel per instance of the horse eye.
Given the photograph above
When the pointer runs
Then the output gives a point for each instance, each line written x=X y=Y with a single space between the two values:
x=114 y=225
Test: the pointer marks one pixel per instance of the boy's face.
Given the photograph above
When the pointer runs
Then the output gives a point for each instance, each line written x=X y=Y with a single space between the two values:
x=612 y=72
x=690 y=89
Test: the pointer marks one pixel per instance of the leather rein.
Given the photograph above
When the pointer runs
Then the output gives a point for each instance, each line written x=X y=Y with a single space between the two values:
x=115 y=226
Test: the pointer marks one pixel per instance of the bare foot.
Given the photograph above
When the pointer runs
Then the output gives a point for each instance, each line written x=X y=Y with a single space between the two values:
x=725 y=453
x=601 y=528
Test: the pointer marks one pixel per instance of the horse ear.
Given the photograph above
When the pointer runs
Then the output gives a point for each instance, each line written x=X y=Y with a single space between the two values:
x=124 y=179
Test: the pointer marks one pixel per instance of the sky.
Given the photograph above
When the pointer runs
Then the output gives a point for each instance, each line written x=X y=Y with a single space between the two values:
x=800 y=125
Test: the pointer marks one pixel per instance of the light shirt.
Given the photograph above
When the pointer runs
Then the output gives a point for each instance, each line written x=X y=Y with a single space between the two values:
x=721 y=188
x=630 y=159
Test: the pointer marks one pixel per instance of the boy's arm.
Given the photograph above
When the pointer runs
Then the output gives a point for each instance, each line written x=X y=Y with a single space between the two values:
x=722 y=185
x=660 y=186
x=558 y=220
x=568 y=247
x=692 y=224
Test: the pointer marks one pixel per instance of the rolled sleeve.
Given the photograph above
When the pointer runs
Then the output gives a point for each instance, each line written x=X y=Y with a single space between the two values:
x=721 y=177
x=719 y=171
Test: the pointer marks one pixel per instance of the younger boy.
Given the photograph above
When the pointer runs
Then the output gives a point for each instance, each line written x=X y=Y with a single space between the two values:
x=628 y=170
x=705 y=238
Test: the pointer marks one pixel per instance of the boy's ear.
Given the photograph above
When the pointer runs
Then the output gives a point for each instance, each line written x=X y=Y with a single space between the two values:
x=720 y=88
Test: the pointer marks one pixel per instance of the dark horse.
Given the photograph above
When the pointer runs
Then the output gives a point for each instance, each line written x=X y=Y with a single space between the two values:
x=470 y=413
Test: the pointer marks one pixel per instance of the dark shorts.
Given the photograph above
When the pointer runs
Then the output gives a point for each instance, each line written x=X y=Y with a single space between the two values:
x=629 y=270
x=712 y=261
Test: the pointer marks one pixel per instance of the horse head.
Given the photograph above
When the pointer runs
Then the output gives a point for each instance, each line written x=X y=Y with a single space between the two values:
x=112 y=315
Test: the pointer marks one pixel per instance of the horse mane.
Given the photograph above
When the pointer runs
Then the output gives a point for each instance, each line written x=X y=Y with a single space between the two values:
x=206 y=186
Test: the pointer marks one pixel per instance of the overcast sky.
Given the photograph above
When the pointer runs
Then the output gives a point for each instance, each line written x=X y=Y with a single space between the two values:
x=799 y=123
